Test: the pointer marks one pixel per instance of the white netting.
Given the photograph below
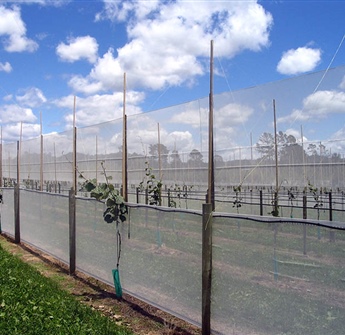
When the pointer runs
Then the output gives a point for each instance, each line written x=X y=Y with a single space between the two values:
x=7 y=211
x=160 y=258
x=44 y=222
x=277 y=278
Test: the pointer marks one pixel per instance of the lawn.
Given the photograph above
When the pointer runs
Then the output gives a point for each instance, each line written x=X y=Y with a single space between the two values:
x=33 y=304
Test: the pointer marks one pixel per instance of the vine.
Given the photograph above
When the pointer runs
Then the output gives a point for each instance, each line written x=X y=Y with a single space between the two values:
x=152 y=185
x=116 y=209
x=317 y=198
x=237 y=203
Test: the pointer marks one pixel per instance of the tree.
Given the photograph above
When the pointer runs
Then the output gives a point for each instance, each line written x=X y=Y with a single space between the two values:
x=195 y=157
x=265 y=145
x=287 y=147
x=159 y=149
x=175 y=158
x=219 y=161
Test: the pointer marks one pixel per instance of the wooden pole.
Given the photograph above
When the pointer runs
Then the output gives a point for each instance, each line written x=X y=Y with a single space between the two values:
x=210 y=191
x=74 y=163
x=159 y=153
x=72 y=232
x=276 y=160
x=41 y=155
x=1 y=159
x=55 y=172
x=303 y=156
x=17 y=203
x=19 y=153
x=206 y=267
x=124 y=146
x=305 y=214
x=96 y=164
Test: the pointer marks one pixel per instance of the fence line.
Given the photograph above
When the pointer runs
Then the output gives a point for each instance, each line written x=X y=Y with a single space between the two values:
x=162 y=257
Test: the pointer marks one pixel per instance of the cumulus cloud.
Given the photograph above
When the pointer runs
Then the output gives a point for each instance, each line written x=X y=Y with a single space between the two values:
x=13 y=28
x=5 y=67
x=99 y=108
x=15 y=113
x=143 y=132
x=168 y=41
x=11 y=132
x=31 y=97
x=317 y=106
x=300 y=60
x=83 y=47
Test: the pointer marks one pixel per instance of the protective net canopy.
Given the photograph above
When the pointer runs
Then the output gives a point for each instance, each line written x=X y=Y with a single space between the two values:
x=172 y=143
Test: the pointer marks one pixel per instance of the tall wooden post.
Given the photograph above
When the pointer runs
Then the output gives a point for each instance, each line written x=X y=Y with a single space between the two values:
x=159 y=149
x=41 y=154
x=1 y=177
x=74 y=163
x=305 y=214
x=210 y=191
x=275 y=212
x=206 y=268
x=17 y=201
x=72 y=232
x=124 y=146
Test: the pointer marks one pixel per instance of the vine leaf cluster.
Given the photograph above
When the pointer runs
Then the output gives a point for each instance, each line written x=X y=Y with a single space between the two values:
x=116 y=209
x=152 y=185
x=317 y=198
x=237 y=203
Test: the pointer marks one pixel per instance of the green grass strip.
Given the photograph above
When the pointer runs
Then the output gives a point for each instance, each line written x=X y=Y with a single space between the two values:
x=33 y=304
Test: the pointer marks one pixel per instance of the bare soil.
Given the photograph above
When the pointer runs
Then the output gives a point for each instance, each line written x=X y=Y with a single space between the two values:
x=139 y=317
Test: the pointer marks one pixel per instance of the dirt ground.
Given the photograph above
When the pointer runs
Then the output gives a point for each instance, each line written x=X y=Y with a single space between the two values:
x=138 y=316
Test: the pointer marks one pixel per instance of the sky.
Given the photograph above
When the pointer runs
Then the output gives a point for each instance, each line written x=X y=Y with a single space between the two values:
x=53 y=51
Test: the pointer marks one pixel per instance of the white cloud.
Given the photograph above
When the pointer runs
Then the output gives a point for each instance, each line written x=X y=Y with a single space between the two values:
x=143 y=132
x=296 y=134
x=11 y=132
x=14 y=30
x=168 y=41
x=6 y=67
x=15 y=113
x=99 y=108
x=83 y=47
x=318 y=105
x=300 y=60
x=31 y=97
x=106 y=75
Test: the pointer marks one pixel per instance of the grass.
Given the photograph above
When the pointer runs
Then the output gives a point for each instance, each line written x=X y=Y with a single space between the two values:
x=33 y=304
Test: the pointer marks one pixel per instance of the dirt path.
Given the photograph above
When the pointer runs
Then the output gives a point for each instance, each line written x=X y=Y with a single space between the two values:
x=141 y=318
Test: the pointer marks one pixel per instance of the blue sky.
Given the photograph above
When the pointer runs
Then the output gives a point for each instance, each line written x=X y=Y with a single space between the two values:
x=51 y=51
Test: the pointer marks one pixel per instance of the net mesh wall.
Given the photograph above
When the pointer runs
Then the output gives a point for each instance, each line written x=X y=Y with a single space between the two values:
x=100 y=145
x=270 y=275
x=58 y=161
x=160 y=259
x=30 y=156
x=7 y=211
x=172 y=143
x=44 y=222
x=9 y=163
x=96 y=240
x=277 y=278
